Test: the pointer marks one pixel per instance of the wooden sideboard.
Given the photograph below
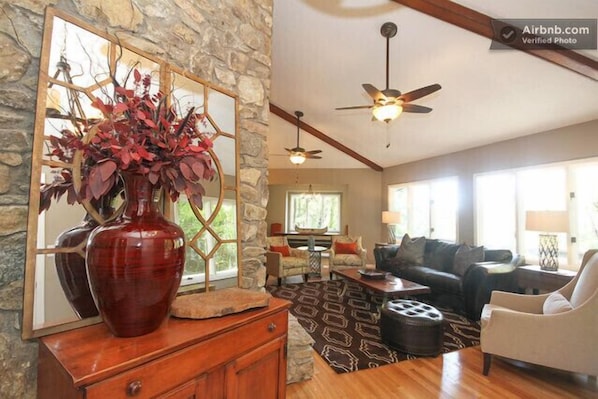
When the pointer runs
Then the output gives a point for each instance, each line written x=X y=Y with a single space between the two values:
x=242 y=355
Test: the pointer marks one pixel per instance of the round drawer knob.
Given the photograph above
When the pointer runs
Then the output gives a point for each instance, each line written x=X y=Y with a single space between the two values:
x=271 y=327
x=134 y=388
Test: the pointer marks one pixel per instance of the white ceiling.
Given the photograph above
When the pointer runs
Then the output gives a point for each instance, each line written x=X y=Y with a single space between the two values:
x=322 y=51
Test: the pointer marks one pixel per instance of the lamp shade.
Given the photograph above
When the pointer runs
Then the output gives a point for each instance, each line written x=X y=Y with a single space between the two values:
x=547 y=221
x=391 y=217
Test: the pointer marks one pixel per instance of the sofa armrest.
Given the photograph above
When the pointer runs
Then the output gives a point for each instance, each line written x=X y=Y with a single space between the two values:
x=519 y=302
x=482 y=278
x=363 y=254
x=273 y=262
x=299 y=253
x=382 y=254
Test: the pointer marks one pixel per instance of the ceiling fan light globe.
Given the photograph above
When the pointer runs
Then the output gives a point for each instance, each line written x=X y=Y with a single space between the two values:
x=387 y=113
x=297 y=158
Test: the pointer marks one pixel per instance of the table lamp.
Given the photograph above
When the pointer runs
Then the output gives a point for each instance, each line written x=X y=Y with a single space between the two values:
x=391 y=218
x=547 y=222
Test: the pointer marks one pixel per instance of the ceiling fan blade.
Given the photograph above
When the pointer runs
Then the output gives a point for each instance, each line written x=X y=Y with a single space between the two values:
x=391 y=93
x=355 y=107
x=376 y=94
x=313 y=152
x=288 y=150
x=310 y=156
x=419 y=93
x=418 y=109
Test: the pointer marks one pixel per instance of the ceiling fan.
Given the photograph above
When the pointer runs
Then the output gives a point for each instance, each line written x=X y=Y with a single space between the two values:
x=390 y=103
x=298 y=155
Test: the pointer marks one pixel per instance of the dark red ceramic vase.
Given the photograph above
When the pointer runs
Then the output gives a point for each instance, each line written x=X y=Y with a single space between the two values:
x=71 y=270
x=70 y=266
x=135 y=263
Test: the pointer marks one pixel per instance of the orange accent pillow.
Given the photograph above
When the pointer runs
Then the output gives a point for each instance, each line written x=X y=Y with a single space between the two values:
x=283 y=249
x=345 y=248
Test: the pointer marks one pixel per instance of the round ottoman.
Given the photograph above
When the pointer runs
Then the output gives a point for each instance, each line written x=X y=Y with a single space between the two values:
x=412 y=327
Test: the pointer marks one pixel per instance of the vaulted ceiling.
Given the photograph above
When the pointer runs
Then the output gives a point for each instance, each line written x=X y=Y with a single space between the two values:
x=322 y=52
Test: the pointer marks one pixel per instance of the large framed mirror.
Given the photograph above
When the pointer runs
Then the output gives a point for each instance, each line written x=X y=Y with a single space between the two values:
x=78 y=63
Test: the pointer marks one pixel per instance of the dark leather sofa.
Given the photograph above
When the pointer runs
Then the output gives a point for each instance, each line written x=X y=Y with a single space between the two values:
x=466 y=294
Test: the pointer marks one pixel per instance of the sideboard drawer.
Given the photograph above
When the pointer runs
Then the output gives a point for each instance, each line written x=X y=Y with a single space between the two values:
x=161 y=375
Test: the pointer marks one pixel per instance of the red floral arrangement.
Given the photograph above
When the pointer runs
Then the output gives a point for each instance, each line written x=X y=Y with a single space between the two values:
x=139 y=133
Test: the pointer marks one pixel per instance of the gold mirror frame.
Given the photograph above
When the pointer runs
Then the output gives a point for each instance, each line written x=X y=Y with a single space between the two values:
x=212 y=233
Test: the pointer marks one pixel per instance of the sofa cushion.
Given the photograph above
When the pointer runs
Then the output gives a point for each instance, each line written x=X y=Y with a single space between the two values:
x=442 y=282
x=556 y=303
x=393 y=265
x=411 y=251
x=465 y=257
x=438 y=281
x=440 y=255
x=416 y=274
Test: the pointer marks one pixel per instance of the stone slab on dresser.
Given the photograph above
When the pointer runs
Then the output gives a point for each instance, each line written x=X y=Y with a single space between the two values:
x=218 y=303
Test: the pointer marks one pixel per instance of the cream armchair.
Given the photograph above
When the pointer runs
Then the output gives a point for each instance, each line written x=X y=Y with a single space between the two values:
x=557 y=330
x=280 y=266
x=346 y=251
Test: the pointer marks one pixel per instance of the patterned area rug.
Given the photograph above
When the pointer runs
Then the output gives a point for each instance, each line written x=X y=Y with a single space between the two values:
x=346 y=327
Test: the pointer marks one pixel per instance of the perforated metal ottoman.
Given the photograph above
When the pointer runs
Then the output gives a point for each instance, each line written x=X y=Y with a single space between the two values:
x=412 y=327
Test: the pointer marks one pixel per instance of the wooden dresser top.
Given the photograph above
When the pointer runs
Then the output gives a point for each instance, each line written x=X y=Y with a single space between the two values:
x=90 y=352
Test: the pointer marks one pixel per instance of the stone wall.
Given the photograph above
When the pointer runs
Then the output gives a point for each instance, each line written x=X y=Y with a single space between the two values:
x=300 y=354
x=224 y=42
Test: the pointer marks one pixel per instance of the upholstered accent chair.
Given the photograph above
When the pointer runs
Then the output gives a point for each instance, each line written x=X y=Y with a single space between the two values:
x=556 y=330
x=283 y=261
x=346 y=251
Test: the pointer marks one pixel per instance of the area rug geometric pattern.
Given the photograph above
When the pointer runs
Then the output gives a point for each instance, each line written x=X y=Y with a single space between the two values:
x=346 y=327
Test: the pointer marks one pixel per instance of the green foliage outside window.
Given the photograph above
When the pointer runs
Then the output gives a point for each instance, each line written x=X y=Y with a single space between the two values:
x=224 y=225
x=315 y=210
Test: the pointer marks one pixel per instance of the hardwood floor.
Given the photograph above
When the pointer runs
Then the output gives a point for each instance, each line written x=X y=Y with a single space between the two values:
x=453 y=375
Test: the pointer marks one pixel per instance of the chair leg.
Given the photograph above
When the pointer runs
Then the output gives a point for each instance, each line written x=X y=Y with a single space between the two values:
x=306 y=277
x=279 y=281
x=266 y=283
x=487 y=361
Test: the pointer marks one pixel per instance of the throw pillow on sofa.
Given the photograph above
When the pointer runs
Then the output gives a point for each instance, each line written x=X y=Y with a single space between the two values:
x=465 y=256
x=411 y=251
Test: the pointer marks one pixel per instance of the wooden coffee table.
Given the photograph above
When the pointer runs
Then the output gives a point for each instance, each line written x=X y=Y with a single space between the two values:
x=388 y=287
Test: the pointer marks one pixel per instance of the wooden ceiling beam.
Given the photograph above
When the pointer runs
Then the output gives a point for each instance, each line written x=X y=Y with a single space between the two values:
x=481 y=24
x=292 y=119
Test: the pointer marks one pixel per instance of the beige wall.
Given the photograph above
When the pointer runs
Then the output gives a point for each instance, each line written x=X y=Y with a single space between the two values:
x=361 y=203
x=567 y=143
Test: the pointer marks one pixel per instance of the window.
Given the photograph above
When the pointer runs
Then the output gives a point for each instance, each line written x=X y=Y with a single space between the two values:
x=427 y=208
x=223 y=263
x=314 y=210
x=585 y=215
x=496 y=220
x=502 y=199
